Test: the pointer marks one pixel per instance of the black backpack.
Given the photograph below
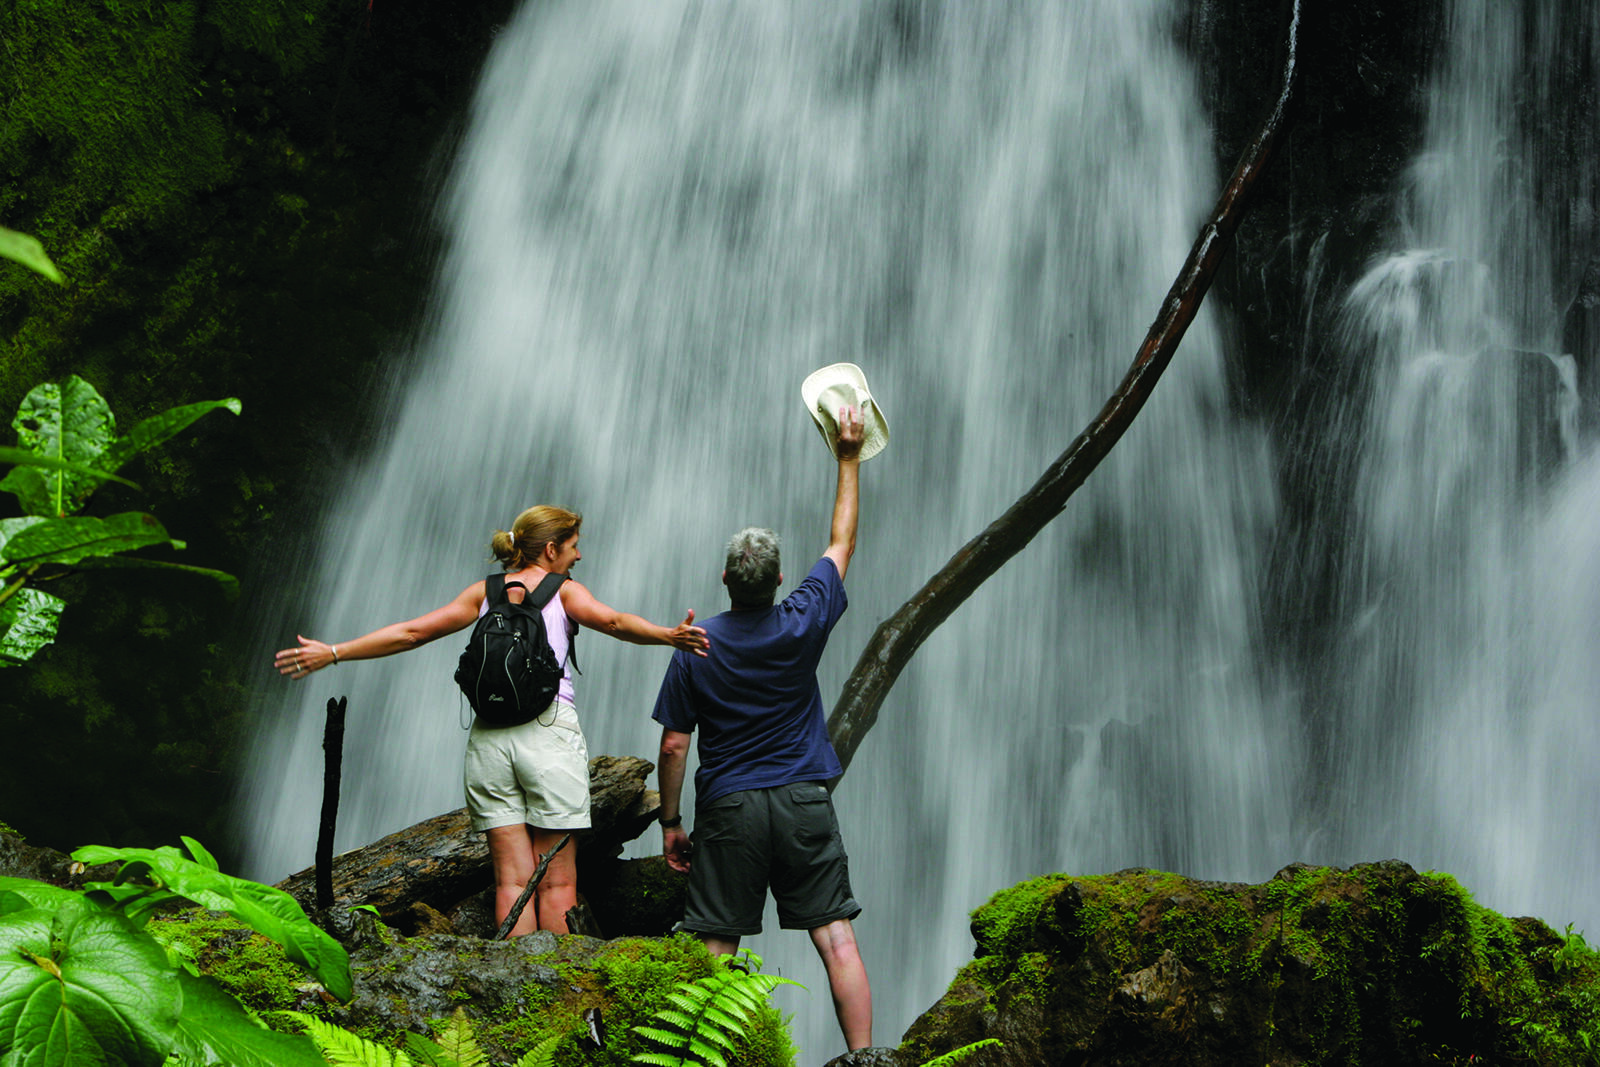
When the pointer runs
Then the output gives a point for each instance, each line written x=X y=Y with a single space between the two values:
x=507 y=671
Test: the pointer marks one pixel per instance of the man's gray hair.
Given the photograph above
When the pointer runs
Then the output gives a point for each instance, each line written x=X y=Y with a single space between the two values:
x=751 y=572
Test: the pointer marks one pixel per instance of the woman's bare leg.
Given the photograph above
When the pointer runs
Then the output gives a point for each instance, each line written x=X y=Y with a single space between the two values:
x=511 y=853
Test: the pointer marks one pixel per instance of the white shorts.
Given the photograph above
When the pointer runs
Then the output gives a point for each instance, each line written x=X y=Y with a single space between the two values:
x=534 y=773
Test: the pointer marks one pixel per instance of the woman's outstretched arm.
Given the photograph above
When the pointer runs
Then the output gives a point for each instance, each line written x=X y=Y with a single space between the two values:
x=311 y=655
x=582 y=606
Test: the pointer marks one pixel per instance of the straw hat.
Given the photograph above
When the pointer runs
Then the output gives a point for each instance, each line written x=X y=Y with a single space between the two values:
x=843 y=385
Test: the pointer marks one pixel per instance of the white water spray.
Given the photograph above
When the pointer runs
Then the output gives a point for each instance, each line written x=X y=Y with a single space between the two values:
x=1463 y=733
x=665 y=215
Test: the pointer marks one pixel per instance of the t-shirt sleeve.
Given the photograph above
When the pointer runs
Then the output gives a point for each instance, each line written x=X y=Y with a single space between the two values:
x=820 y=598
x=674 y=708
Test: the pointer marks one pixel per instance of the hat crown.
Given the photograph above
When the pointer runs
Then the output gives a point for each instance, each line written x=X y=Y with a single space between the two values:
x=840 y=385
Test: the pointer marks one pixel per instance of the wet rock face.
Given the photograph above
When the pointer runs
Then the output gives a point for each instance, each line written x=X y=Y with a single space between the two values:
x=1376 y=964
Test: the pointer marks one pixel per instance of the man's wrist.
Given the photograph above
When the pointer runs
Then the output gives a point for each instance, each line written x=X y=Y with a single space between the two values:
x=672 y=823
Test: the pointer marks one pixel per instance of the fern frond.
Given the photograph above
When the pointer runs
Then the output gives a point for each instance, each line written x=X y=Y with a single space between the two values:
x=957 y=1055
x=541 y=1055
x=657 y=1059
x=704 y=1020
x=706 y=1054
x=343 y=1049
x=457 y=1040
x=669 y=1039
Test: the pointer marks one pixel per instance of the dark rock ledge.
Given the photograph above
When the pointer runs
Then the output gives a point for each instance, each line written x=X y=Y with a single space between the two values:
x=1372 y=965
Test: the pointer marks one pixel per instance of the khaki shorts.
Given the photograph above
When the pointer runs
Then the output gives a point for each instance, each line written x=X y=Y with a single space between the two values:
x=533 y=773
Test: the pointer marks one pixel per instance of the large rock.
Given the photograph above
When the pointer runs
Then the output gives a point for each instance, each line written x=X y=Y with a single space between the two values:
x=1372 y=965
x=435 y=876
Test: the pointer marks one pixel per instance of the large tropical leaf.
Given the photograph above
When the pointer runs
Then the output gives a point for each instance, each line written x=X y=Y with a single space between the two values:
x=28 y=621
x=216 y=1028
x=271 y=912
x=80 y=985
x=20 y=457
x=230 y=584
x=20 y=894
x=158 y=428
x=70 y=422
x=68 y=540
x=29 y=252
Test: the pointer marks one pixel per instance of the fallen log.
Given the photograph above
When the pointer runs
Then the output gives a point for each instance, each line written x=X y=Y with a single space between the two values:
x=440 y=861
x=898 y=637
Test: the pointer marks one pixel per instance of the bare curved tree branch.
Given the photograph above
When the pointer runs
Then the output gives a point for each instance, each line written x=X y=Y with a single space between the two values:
x=900 y=635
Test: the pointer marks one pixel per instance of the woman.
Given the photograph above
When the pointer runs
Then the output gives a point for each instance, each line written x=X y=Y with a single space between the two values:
x=526 y=785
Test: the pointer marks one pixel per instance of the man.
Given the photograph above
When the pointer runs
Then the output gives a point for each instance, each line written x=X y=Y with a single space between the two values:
x=763 y=814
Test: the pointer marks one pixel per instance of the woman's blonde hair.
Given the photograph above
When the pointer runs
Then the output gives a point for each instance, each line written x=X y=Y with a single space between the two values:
x=540 y=525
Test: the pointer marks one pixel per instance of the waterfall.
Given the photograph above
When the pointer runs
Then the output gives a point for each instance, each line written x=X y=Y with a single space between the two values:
x=1459 y=692
x=664 y=215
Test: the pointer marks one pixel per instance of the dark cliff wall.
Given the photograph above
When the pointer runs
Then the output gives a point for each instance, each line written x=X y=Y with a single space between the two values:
x=240 y=195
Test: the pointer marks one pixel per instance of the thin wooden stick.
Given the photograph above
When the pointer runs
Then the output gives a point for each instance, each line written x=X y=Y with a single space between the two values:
x=900 y=635
x=332 y=759
x=527 y=891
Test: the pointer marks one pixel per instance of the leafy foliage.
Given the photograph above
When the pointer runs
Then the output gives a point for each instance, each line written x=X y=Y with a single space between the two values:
x=169 y=874
x=706 y=1017
x=960 y=1055
x=83 y=982
x=67 y=446
x=457 y=1046
x=26 y=250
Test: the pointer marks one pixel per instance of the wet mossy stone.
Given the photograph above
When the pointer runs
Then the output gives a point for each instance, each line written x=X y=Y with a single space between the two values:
x=1374 y=964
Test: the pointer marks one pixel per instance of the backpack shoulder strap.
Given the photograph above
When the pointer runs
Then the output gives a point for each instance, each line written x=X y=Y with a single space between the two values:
x=494 y=589
x=545 y=590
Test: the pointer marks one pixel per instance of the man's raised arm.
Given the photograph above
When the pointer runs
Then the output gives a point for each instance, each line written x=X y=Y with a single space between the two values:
x=847 y=495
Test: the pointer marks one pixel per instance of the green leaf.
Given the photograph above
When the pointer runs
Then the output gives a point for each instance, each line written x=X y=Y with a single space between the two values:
x=159 y=428
x=230 y=584
x=23 y=458
x=271 y=912
x=453 y=1046
x=216 y=1028
x=344 y=1049
x=20 y=894
x=29 y=252
x=70 y=422
x=541 y=1055
x=65 y=541
x=28 y=622
x=79 y=985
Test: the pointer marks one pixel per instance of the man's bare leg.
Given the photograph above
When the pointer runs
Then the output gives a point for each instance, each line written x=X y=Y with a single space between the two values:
x=719 y=946
x=847 y=978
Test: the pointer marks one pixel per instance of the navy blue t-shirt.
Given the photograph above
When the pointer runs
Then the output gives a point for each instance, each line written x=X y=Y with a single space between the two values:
x=754 y=695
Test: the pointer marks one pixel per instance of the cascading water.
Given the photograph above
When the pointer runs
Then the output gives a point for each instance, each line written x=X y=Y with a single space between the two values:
x=665 y=214
x=1460 y=715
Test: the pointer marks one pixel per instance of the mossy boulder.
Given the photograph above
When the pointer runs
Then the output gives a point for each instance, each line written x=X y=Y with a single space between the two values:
x=515 y=994
x=1376 y=964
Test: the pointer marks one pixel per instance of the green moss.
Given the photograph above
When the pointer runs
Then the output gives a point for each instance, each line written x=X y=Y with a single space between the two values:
x=1365 y=964
x=236 y=193
x=628 y=980
x=250 y=966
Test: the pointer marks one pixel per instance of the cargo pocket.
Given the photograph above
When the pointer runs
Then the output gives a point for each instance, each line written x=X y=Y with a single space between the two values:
x=719 y=820
x=814 y=820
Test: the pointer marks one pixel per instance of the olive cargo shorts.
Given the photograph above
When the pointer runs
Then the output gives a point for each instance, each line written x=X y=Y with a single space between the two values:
x=785 y=837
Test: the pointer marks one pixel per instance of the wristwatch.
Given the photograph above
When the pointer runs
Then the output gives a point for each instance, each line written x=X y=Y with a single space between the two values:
x=668 y=824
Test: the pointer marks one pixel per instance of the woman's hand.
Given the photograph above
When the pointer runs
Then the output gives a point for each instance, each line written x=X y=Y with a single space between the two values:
x=689 y=637
x=304 y=658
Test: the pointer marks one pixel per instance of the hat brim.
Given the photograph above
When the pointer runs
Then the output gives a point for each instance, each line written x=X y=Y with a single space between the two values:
x=827 y=390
